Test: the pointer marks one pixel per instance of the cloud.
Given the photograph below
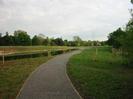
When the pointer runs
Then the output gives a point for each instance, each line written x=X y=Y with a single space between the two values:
x=64 y=18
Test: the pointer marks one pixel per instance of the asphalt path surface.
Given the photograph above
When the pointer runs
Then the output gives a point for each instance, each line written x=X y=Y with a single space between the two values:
x=50 y=81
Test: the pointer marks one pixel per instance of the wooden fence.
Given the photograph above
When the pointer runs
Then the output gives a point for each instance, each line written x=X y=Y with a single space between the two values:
x=12 y=56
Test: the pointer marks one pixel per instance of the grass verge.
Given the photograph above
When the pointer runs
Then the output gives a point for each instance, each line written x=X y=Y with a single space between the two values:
x=101 y=76
x=13 y=74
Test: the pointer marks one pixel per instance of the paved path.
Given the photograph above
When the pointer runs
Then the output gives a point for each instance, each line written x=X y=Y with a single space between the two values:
x=50 y=81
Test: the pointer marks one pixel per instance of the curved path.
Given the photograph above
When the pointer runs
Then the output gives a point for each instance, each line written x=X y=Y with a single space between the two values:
x=50 y=81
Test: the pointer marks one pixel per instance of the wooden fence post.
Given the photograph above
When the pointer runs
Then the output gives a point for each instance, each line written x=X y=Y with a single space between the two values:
x=3 y=57
x=96 y=50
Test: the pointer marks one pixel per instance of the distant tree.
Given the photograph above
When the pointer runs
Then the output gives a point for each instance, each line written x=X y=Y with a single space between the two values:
x=41 y=38
x=52 y=42
x=72 y=43
x=95 y=43
x=59 y=41
x=103 y=43
x=22 y=38
x=77 y=40
x=1 y=40
x=90 y=43
x=84 y=43
x=46 y=41
x=115 y=38
x=66 y=42
x=0 y=35
x=35 y=40
x=7 y=40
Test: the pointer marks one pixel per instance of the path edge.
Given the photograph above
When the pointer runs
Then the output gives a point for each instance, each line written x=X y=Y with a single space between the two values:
x=68 y=78
x=24 y=83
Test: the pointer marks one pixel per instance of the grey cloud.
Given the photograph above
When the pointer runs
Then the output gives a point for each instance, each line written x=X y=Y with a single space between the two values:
x=64 y=18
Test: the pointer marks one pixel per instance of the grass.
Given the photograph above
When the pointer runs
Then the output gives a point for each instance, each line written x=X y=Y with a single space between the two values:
x=21 y=49
x=101 y=76
x=14 y=73
x=28 y=50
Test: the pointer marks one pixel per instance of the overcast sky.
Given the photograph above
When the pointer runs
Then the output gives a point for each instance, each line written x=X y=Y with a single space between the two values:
x=89 y=19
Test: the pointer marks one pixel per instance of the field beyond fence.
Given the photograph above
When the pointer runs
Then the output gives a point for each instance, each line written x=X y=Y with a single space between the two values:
x=14 y=52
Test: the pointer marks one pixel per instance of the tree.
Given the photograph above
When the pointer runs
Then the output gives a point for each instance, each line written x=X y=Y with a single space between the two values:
x=7 y=40
x=52 y=42
x=127 y=45
x=66 y=42
x=114 y=39
x=41 y=38
x=35 y=40
x=59 y=41
x=71 y=43
x=124 y=40
x=90 y=43
x=22 y=38
x=127 y=42
x=103 y=43
x=77 y=40
x=84 y=43
x=46 y=41
x=131 y=1
x=1 y=40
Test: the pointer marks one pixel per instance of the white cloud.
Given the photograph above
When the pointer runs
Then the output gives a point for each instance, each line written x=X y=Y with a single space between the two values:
x=90 y=19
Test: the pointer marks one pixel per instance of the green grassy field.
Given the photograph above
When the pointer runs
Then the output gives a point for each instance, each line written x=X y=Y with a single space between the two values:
x=13 y=74
x=23 y=49
x=101 y=76
x=19 y=52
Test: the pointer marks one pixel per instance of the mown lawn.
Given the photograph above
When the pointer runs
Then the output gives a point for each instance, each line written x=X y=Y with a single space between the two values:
x=101 y=76
x=13 y=74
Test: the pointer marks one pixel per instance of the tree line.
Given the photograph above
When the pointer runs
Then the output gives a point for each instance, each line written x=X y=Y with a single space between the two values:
x=122 y=40
x=21 y=38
